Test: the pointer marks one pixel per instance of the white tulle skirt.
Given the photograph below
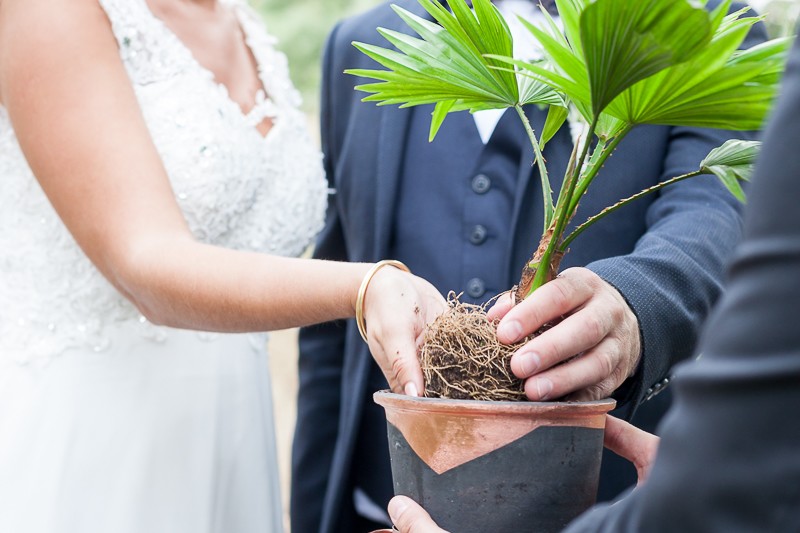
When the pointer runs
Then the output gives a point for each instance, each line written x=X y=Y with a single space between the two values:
x=172 y=437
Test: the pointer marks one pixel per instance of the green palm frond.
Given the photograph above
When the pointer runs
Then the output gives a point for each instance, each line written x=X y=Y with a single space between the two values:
x=619 y=63
x=708 y=83
x=720 y=87
x=626 y=42
x=609 y=46
x=449 y=64
x=732 y=162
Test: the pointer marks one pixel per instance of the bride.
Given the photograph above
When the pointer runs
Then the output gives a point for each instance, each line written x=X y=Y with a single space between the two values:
x=157 y=180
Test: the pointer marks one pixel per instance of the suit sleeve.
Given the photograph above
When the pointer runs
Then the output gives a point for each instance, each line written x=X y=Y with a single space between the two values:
x=729 y=460
x=675 y=273
x=321 y=355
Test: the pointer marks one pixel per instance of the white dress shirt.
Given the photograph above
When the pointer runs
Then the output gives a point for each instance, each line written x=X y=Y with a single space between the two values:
x=526 y=47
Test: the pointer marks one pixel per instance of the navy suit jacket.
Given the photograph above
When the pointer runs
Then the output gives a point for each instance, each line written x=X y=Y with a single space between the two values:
x=729 y=459
x=665 y=254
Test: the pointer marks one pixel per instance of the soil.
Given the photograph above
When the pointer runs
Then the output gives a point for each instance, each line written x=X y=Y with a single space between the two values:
x=462 y=359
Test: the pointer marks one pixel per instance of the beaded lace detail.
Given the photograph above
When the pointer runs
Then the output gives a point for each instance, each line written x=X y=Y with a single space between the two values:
x=235 y=187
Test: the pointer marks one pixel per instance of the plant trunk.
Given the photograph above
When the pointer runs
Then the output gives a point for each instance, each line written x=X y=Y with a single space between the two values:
x=525 y=284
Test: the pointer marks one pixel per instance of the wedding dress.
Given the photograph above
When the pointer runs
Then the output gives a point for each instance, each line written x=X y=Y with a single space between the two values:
x=111 y=424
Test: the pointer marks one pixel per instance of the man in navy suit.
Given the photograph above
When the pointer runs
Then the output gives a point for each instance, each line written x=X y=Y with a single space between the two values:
x=465 y=212
x=728 y=461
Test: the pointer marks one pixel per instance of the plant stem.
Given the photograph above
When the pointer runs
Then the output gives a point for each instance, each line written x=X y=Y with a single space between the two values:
x=549 y=261
x=547 y=191
x=605 y=153
x=608 y=210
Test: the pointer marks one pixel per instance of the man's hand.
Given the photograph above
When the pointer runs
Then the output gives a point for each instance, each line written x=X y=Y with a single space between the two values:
x=633 y=444
x=408 y=517
x=598 y=327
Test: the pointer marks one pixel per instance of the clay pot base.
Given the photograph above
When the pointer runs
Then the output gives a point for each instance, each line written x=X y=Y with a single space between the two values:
x=539 y=476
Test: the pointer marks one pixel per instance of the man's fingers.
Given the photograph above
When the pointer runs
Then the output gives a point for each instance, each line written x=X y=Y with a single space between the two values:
x=599 y=391
x=575 y=334
x=559 y=297
x=582 y=372
x=631 y=443
x=503 y=305
x=408 y=517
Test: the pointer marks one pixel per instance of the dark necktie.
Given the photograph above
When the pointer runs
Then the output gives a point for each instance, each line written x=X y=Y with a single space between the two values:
x=549 y=5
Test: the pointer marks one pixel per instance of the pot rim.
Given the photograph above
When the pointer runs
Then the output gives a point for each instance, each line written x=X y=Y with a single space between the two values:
x=392 y=400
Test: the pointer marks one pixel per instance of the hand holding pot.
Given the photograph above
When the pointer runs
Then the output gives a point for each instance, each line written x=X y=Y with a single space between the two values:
x=599 y=328
x=397 y=307
x=408 y=517
x=633 y=444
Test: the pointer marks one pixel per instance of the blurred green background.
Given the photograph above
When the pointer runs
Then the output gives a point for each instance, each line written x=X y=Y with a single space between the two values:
x=302 y=26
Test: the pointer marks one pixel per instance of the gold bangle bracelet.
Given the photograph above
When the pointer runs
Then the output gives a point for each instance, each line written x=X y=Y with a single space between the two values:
x=362 y=292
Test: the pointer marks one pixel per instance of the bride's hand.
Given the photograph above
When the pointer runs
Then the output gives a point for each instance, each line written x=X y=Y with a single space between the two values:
x=397 y=308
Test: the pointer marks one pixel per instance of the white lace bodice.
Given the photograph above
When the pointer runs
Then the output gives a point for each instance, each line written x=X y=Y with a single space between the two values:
x=236 y=188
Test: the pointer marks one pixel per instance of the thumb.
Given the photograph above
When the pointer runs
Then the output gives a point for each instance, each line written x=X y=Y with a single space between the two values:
x=633 y=444
x=408 y=517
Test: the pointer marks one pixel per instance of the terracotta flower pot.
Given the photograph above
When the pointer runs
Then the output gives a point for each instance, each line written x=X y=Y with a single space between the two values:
x=496 y=466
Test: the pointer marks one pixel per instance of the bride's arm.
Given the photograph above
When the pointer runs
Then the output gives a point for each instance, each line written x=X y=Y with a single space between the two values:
x=79 y=124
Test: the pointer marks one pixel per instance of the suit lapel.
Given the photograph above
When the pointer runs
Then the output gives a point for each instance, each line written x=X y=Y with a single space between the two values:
x=391 y=147
x=393 y=136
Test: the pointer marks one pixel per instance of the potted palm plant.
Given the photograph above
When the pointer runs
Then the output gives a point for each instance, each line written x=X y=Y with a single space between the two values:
x=616 y=65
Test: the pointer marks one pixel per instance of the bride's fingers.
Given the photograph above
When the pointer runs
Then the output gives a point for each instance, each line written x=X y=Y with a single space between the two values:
x=401 y=365
x=399 y=306
x=427 y=304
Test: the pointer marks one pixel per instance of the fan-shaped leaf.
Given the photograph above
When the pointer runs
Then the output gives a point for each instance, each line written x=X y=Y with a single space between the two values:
x=451 y=64
x=626 y=42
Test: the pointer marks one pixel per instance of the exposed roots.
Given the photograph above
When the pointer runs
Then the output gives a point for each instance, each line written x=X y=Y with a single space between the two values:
x=462 y=359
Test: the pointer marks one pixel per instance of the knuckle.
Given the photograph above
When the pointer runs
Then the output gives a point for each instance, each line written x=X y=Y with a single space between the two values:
x=606 y=388
x=594 y=327
x=548 y=349
x=562 y=294
x=616 y=312
x=591 y=279
x=606 y=364
x=397 y=367
x=596 y=392
x=618 y=377
x=585 y=278
x=530 y=313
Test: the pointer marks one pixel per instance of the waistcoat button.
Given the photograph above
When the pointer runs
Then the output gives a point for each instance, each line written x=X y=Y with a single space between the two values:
x=481 y=184
x=478 y=235
x=476 y=287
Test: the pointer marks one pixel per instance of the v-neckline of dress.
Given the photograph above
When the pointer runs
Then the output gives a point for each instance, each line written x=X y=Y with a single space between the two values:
x=263 y=106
